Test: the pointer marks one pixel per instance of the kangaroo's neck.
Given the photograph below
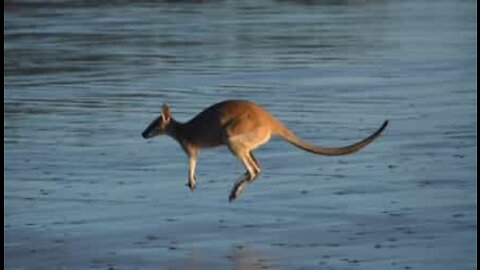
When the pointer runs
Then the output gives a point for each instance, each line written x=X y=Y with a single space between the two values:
x=178 y=131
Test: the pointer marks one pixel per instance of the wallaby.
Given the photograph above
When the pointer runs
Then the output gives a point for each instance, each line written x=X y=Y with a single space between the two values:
x=242 y=126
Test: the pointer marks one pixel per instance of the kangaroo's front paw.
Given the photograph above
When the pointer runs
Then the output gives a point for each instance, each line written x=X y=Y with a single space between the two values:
x=191 y=185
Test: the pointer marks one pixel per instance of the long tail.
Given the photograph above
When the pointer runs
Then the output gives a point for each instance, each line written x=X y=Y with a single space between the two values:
x=290 y=137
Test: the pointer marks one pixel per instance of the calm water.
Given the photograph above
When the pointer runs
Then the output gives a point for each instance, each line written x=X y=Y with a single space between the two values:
x=83 y=190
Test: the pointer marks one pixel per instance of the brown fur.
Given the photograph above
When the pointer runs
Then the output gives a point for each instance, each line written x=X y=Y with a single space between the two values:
x=242 y=126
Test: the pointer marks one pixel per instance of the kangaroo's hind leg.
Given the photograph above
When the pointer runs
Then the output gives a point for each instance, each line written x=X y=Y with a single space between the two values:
x=241 y=138
x=255 y=161
x=251 y=166
x=244 y=180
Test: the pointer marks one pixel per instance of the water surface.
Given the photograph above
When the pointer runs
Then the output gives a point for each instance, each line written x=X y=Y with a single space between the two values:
x=83 y=190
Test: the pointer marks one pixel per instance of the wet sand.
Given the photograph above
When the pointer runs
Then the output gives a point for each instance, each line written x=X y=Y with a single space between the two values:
x=83 y=190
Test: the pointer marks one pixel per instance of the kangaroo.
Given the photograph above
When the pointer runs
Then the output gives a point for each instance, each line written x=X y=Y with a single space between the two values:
x=242 y=126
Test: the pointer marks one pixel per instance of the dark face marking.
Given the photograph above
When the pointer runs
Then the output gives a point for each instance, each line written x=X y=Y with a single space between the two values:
x=157 y=127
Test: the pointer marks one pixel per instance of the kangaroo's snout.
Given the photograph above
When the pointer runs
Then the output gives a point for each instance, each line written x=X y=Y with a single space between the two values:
x=146 y=134
x=151 y=130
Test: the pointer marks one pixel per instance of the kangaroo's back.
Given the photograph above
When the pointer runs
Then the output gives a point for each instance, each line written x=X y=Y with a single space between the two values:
x=208 y=127
x=223 y=112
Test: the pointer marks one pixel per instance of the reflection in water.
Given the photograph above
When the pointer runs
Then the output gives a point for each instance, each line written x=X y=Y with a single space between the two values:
x=244 y=258
x=240 y=258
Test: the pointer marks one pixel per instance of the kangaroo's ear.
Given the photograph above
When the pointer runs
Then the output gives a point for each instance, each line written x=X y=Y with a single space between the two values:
x=166 y=115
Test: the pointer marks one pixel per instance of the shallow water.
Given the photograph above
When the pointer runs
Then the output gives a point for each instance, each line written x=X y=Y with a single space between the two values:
x=83 y=190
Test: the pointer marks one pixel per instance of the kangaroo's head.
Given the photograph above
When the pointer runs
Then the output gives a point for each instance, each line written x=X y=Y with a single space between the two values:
x=160 y=125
